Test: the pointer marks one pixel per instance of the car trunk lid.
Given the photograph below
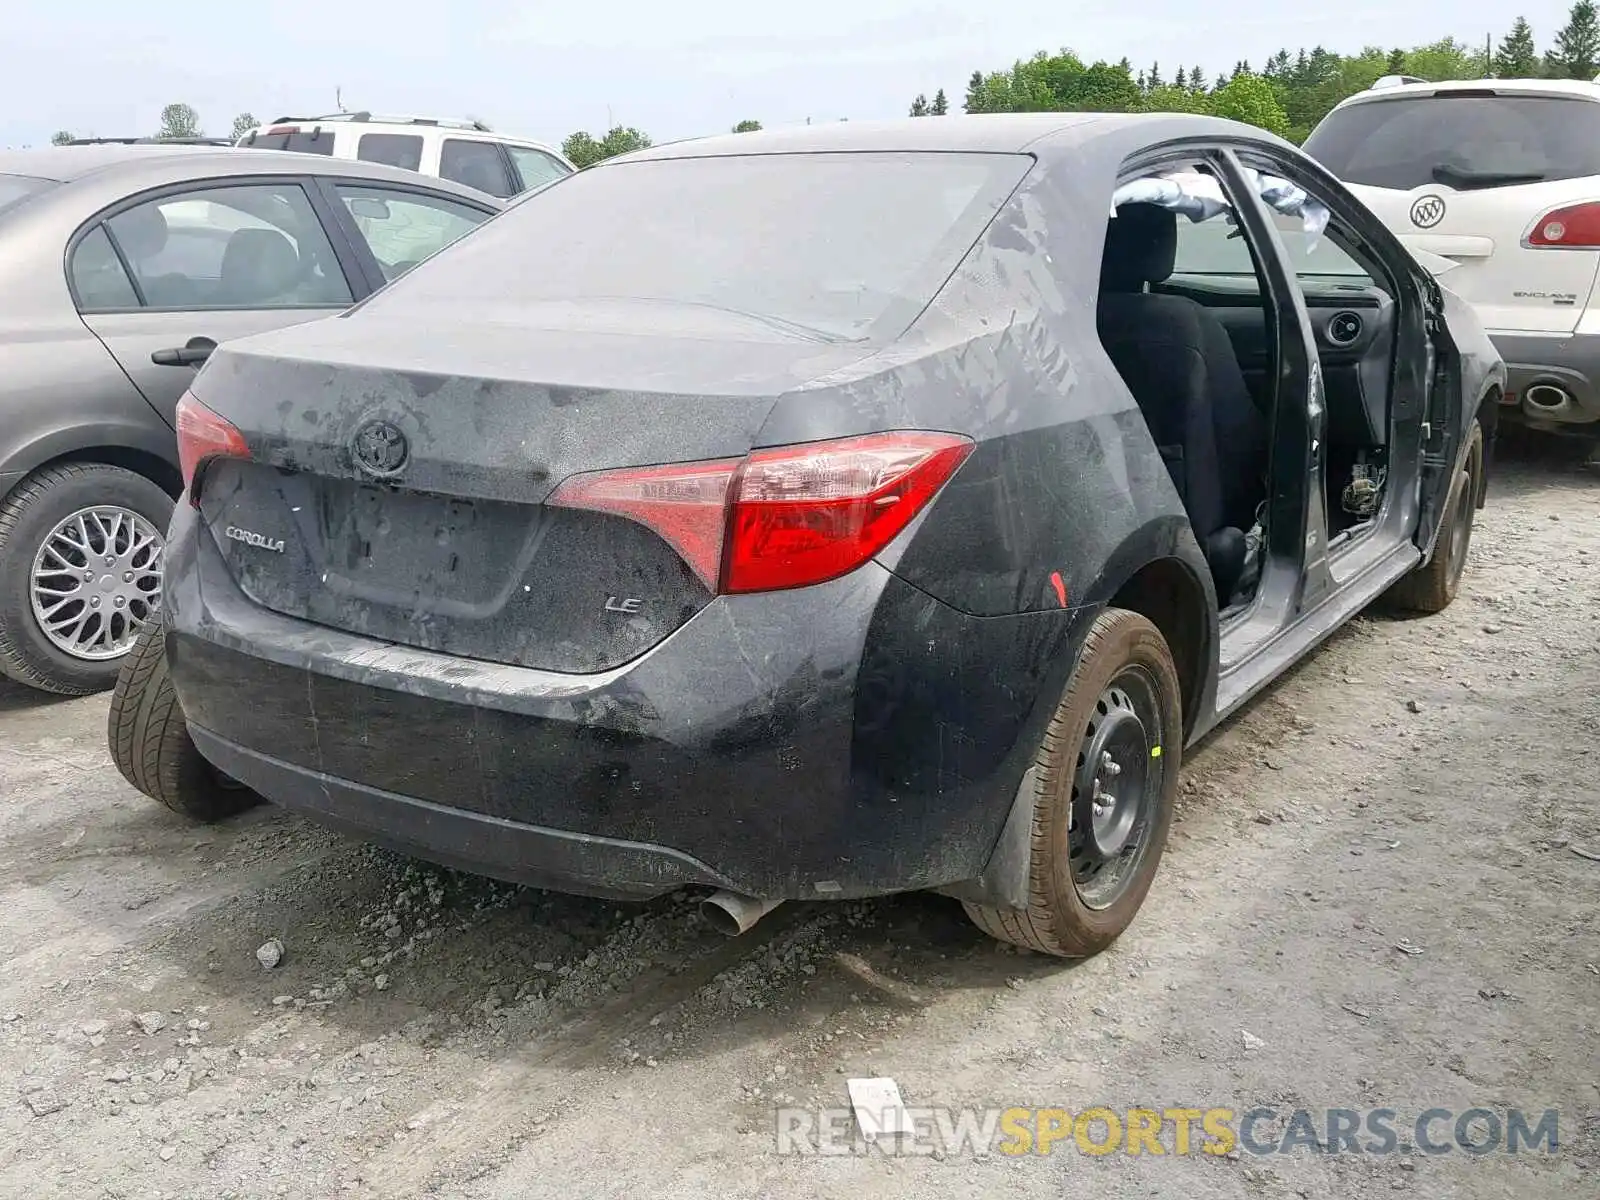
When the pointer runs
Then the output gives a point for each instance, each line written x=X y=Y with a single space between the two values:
x=406 y=502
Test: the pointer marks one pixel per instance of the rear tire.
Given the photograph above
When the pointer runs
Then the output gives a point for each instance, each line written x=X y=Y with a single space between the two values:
x=1431 y=587
x=1122 y=703
x=31 y=518
x=151 y=746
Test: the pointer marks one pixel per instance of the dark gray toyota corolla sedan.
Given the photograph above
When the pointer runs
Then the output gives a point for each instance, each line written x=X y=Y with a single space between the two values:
x=815 y=513
x=121 y=266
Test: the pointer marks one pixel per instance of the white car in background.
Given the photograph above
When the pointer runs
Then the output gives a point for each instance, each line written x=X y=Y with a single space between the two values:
x=1502 y=178
x=466 y=152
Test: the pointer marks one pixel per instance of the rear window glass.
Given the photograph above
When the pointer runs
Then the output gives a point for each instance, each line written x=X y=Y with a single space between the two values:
x=839 y=245
x=14 y=189
x=1461 y=140
x=395 y=149
x=476 y=164
x=535 y=166
x=301 y=142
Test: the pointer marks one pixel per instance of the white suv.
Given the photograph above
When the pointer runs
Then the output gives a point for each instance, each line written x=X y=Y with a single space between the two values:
x=465 y=151
x=1501 y=177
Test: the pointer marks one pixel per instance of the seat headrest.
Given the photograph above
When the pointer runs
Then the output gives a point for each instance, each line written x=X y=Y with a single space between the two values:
x=1141 y=247
x=141 y=232
x=258 y=265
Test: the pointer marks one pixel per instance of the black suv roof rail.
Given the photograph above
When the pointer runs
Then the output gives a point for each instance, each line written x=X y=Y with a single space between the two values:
x=150 y=141
x=364 y=116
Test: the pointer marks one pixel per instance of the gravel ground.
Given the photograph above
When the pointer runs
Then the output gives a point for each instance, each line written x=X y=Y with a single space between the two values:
x=1381 y=892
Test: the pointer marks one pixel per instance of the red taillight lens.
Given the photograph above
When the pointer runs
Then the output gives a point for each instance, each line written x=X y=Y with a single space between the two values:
x=1575 y=227
x=805 y=514
x=202 y=436
x=780 y=518
x=685 y=503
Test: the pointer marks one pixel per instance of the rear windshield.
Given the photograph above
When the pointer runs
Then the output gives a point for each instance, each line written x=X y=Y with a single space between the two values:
x=836 y=245
x=1463 y=140
x=14 y=189
x=302 y=142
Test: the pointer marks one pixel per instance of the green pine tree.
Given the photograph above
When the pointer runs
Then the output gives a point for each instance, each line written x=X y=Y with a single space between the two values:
x=1517 y=57
x=1577 y=50
x=974 y=100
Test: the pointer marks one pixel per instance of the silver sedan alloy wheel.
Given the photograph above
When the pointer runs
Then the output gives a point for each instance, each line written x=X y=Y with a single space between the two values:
x=96 y=581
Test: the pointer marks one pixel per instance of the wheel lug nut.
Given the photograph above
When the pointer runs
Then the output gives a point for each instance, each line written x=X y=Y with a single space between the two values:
x=88 y=576
x=111 y=561
x=119 y=602
x=127 y=577
x=94 y=602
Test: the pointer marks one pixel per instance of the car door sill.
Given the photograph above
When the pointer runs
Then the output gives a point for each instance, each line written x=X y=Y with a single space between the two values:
x=1241 y=680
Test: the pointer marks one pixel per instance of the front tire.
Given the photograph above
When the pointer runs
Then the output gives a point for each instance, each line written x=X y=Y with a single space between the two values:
x=81 y=548
x=150 y=743
x=1431 y=587
x=1106 y=781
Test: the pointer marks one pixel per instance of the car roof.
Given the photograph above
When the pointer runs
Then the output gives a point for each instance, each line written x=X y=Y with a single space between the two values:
x=142 y=166
x=993 y=133
x=366 y=122
x=1578 y=89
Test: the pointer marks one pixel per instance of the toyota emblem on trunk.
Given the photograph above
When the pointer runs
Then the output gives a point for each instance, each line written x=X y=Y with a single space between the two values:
x=1428 y=211
x=379 y=448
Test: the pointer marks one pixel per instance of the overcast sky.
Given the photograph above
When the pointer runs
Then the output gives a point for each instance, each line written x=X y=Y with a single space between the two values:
x=674 y=69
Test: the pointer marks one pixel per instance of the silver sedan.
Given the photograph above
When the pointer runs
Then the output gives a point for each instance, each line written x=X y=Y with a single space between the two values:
x=121 y=268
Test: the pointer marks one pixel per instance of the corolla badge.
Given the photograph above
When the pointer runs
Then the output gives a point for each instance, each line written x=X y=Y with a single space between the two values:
x=1428 y=211
x=380 y=448
x=250 y=538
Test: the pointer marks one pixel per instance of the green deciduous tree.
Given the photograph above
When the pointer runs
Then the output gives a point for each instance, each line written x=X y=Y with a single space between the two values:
x=584 y=150
x=60 y=137
x=919 y=106
x=1576 y=54
x=1251 y=99
x=243 y=124
x=1517 y=57
x=1290 y=95
x=747 y=126
x=179 y=121
x=1174 y=97
x=1446 y=59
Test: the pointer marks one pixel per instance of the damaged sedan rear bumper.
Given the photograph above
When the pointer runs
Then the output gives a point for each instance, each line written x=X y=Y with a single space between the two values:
x=760 y=748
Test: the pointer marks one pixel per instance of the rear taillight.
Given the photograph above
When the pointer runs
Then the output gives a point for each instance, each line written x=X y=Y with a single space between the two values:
x=780 y=518
x=202 y=436
x=1575 y=227
x=803 y=514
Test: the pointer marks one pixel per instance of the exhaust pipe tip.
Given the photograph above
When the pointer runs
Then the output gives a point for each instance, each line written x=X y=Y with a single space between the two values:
x=1547 y=396
x=731 y=914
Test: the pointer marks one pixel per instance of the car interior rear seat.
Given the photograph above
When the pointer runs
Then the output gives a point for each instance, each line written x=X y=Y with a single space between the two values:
x=1179 y=363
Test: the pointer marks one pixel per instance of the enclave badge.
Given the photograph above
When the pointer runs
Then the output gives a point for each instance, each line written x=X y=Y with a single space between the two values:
x=379 y=448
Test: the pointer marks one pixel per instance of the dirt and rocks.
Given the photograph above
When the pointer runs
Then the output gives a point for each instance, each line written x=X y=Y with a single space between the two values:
x=1383 y=891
